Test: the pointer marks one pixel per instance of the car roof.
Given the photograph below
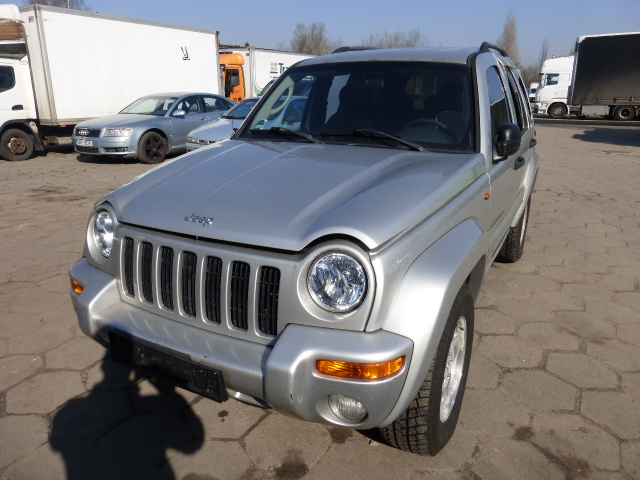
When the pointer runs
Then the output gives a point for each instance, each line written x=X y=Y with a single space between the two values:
x=179 y=94
x=447 y=55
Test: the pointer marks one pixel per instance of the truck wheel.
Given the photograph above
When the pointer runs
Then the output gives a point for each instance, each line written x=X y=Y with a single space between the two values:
x=513 y=246
x=16 y=145
x=558 y=110
x=624 y=112
x=152 y=148
x=428 y=423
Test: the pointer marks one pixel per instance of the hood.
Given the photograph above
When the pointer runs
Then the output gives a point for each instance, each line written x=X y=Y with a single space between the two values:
x=124 y=119
x=286 y=195
x=218 y=130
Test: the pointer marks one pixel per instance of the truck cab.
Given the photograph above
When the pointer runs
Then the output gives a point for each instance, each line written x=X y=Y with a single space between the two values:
x=232 y=67
x=553 y=90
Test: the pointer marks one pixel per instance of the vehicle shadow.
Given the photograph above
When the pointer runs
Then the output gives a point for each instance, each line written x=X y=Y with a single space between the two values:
x=98 y=160
x=116 y=431
x=624 y=137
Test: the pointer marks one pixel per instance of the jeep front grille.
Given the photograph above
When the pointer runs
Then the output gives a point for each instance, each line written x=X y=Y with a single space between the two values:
x=200 y=286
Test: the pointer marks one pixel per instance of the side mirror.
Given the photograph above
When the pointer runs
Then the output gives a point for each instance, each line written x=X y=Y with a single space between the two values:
x=508 y=143
x=179 y=113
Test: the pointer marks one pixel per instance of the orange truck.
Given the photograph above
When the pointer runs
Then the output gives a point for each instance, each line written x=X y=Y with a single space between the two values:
x=247 y=71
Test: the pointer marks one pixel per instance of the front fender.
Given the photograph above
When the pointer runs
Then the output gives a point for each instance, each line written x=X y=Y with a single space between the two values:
x=424 y=300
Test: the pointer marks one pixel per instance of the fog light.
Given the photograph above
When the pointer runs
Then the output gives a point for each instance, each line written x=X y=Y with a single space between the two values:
x=77 y=288
x=347 y=408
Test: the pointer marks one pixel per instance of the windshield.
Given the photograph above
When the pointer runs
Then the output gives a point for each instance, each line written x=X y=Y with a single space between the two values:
x=154 y=105
x=419 y=103
x=242 y=109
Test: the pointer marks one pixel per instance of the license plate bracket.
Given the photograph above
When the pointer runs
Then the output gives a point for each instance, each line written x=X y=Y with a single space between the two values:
x=169 y=366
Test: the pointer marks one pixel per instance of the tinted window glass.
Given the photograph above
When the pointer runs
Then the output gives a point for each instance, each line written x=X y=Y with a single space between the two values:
x=7 y=78
x=497 y=100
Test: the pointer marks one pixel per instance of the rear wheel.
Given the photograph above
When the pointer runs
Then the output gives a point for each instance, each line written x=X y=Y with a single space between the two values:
x=513 y=246
x=16 y=145
x=624 y=112
x=152 y=148
x=558 y=110
x=429 y=421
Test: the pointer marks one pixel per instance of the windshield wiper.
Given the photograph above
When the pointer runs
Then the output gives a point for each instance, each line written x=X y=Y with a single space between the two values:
x=367 y=132
x=286 y=131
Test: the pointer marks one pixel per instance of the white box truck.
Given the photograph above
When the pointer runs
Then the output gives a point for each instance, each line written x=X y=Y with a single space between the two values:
x=600 y=80
x=247 y=71
x=59 y=67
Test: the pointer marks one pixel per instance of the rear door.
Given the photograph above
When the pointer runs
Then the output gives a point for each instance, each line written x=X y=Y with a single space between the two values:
x=506 y=105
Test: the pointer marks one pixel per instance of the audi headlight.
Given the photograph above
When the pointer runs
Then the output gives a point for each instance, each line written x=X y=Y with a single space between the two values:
x=192 y=140
x=103 y=232
x=117 y=132
x=337 y=282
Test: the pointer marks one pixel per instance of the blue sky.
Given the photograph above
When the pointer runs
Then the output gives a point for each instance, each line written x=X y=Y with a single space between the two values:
x=452 y=23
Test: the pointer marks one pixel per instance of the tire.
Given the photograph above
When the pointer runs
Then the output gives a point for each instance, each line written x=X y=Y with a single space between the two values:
x=16 y=145
x=152 y=148
x=624 y=112
x=429 y=421
x=557 y=110
x=513 y=246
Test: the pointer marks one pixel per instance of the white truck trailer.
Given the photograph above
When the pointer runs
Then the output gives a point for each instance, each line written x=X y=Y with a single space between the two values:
x=247 y=71
x=600 y=80
x=59 y=67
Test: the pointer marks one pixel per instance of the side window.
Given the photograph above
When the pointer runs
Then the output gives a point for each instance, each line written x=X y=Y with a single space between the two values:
x=7 y=78
x=552 y=78
x=516 y=95
x=497 y=100
x=189 y=105
x=214 y=104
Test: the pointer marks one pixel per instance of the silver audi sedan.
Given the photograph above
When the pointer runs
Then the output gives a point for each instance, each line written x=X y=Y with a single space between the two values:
x=149 y=128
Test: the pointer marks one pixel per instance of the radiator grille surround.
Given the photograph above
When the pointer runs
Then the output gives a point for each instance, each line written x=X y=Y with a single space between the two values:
x=201 y=289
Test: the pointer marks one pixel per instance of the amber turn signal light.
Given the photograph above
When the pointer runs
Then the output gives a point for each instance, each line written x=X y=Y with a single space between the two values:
x=77 y=288
x=360 y=371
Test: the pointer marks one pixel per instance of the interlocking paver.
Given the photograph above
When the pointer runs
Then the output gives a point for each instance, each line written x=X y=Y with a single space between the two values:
x=554 y=381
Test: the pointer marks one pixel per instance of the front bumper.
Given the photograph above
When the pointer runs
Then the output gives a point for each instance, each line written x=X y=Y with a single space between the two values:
x=112 y=146
x=281 y=374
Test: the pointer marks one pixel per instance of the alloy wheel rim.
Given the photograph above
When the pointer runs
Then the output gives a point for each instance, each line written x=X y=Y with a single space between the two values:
x=453 y=369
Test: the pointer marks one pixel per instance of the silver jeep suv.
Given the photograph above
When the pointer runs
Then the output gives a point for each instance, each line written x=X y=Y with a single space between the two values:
x=324 y=262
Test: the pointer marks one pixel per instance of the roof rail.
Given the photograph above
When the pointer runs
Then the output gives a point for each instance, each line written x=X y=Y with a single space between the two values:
x=352 y=49
x=486 y=46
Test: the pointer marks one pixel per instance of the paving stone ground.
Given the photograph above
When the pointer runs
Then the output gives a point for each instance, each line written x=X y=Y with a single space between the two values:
x=554 y=387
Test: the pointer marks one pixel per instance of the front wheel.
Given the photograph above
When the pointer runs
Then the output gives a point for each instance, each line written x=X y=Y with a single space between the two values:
x=153 y=148
x=429 y=421
x=558 y=110
x=16 y=145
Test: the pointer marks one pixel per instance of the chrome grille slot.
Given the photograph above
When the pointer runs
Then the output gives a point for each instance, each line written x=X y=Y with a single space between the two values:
x=166 y=277
x=188 y=282
x=146 y=271
x=212 y=284
x=269 y=289
x=128 y=266
x=239 y=294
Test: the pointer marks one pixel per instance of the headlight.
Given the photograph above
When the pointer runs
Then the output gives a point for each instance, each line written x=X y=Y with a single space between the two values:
x=191 y=140
x=337 y=282
x=117 y=132
x=103 y=232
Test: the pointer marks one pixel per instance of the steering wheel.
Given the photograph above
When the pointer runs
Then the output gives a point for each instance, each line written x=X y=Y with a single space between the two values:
x=284 y=103
x=425 y=121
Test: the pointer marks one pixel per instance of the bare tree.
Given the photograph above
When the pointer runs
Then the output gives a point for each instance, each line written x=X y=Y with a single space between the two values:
x=531 y=73
x=508 y=41
x=75 y=4
x=413 y=38
x=312 y=39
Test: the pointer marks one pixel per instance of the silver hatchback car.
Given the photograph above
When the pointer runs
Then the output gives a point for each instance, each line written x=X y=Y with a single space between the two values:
x=150 y=127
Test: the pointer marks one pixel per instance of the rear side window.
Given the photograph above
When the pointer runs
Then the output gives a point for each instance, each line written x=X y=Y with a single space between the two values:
x=497 y=101
x=7 y=78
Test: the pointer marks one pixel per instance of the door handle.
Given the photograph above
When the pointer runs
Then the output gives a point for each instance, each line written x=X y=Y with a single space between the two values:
x=519 y=163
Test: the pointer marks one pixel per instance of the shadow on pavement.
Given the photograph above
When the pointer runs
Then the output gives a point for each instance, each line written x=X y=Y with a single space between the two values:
x=84 y=158
x=117 y=432
x=628 y=137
